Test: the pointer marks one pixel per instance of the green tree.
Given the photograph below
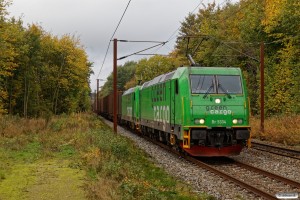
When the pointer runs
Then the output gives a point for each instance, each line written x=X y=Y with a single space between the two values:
x=147 y=69
x=125 y=73
x=230 y=36
x=11 y=40
x=41 y=74
x=282 y=25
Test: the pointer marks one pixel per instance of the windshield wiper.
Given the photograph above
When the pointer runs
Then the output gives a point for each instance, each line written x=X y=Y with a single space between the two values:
x=209 y=89
x=220 y=86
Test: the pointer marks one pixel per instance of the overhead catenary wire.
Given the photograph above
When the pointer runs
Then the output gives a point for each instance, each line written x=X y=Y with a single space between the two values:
x=227 y=17
x=168 y=40
x=149 y=54
x=112 y=37
x=140 y=41
x=137 y=53
x=222 y=42
x=227 y=43
x=239 y=51
x=174 y=33
x=238 y=10
x=162 y=43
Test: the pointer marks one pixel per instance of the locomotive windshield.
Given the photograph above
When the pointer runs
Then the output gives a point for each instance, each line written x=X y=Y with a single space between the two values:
x=216 y=84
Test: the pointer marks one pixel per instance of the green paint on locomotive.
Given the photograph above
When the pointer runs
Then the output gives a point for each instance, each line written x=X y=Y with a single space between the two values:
x=196 y=101
x=212 y=98
x=215 y=95
x=130 y=106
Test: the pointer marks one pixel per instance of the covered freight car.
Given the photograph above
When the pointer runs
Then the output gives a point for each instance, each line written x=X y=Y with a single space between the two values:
x=106 y=106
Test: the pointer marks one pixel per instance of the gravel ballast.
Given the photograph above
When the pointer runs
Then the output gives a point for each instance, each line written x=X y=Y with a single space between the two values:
x=204 y=181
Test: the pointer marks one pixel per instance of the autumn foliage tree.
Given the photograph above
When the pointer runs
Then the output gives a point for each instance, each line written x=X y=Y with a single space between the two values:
x=126 y=73
x=231 y=35
x=147 y=69
x=41 y=74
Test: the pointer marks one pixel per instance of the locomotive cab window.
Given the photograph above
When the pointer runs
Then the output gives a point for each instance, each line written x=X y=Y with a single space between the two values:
x=201 y=84
x=216 y=84
x=229 y=84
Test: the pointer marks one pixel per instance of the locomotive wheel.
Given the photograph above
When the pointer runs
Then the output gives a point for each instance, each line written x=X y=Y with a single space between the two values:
x=172 y=139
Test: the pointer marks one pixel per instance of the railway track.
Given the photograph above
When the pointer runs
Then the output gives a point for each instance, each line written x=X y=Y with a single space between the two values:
x=276 y=150
x=257 y=182
x=262 y=183
x=268 y=183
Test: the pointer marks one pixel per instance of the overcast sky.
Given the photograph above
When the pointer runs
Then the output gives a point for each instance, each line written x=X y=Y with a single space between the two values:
x=94 y=22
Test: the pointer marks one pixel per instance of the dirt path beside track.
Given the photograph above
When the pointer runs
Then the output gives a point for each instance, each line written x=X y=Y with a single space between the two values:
x=43 y=180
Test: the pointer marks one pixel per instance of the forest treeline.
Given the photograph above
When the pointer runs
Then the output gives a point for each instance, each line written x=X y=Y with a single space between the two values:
x=230 y=36
x=40 y=74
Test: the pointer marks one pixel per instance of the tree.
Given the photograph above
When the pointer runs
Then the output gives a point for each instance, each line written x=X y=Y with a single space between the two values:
x=147 y=69
x=40 y=73
x=231 y=38
x=11 y=39
x=125 y=73
x=282 y=26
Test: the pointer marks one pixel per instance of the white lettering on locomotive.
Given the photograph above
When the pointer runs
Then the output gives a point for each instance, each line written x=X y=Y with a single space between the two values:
x=129 y=111
x=218 y=121
x=220 y=112
x=161 y=114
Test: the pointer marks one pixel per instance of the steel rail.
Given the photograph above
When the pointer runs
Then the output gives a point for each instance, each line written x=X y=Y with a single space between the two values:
x=268 y=174
x=216 y=171
x=231 y=178
x=276 y=150
x=226 y=176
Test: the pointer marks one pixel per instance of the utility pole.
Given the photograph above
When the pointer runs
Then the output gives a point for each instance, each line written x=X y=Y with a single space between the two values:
x=115 y=86
x=95 y=102
x=97 y=97
x=262 y=87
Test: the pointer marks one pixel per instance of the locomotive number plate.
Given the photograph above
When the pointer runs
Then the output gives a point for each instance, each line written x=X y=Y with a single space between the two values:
x=219 y=121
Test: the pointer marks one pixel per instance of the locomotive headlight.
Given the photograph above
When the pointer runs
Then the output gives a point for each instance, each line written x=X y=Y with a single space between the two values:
x=217 y=100
x=237 y=121
x=199 y=121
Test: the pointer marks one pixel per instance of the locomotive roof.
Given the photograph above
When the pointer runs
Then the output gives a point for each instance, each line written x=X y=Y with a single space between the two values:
x=193 y=70
x=130 y=90
x=159 y=79
x=207 y=70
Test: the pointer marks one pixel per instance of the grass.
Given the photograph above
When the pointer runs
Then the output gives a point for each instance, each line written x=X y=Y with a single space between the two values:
x=114 y=168
x=280 y=129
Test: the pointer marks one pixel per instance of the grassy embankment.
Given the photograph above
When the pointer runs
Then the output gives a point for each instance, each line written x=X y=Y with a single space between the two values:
x=77 y=157
x=280 y=129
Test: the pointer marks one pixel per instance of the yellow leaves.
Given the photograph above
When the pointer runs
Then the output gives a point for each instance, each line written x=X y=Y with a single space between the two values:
x=280 y=13
x=279 y=99
x=3 y=95
x=273 y=8
x=147 y=69
x=92 y=157
x=131 y=83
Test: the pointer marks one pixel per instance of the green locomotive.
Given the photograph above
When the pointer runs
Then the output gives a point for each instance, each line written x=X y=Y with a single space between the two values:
x=130 y=112
x=202 y=110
